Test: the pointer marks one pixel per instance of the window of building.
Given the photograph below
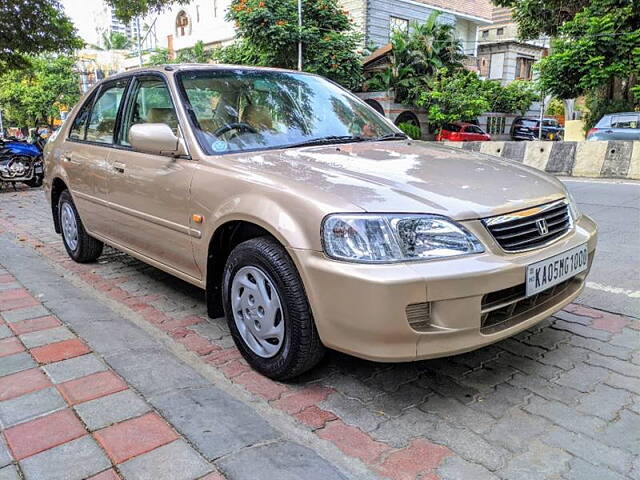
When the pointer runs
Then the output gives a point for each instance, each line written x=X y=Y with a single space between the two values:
x=500 y=31
x=197 y=13
x=215 y=8
x=524 y=68
x=496 y=67
x=397 y=24
x=485 y=34
x=496 y=125
x=183 y=26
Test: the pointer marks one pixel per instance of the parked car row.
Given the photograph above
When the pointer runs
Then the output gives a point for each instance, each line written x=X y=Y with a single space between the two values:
x=522 y=128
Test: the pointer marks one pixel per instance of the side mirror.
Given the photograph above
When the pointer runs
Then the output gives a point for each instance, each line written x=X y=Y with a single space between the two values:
x=155 y=138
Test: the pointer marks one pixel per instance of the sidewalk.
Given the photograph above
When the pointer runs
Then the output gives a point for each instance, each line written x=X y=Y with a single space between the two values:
x=561 y=400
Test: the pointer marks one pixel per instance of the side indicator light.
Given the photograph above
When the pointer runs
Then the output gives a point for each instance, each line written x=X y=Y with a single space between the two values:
x=197 y=218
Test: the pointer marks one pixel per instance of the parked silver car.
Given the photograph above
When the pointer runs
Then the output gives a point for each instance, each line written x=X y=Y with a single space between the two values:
x=617 y=126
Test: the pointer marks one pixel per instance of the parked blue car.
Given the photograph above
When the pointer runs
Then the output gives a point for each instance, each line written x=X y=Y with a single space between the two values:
x=617 y=126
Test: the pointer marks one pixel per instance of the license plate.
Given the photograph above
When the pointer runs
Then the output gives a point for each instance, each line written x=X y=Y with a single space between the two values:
x=554 y=270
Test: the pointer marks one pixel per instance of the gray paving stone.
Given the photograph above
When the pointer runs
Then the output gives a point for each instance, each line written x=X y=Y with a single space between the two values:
x=528 y=366
x=74 y=368
x=604 y=402
x=516 y=430
x=582 y=330
x=391 y=379
x=5 y=455
x=393 y=404
x=624 y=432
x=620 y=381
x=549 y=338
x=30 y=406
x=114 y=408
x=448 y=387
x=567 y=417
x=352 y=387
x=174 y=461
x=280 y=460
x=210 y=329
x=20 y=314
x=9 y=286
x=620 y=366
x=590 y=450
x=9 y=473
x=492 y=374
x=540 y=461
x=628 y=338
x=214 y=422
x=399 y=431
x=565 y=357
x=5 y=332
x=603 y=348
x=456 y=468
x=545 y=388
x=16 y=363
x=583 y=378
x=44 y=337
x=573 y=318
x=75 y=460
x=499 y=401
x=457 y=413
x=581 y=470
x=354 y=412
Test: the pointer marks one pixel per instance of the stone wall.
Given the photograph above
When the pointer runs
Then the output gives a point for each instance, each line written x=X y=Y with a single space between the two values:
x=613 y=159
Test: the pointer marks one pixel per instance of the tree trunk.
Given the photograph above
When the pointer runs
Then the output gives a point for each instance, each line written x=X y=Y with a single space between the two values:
x=569 y=109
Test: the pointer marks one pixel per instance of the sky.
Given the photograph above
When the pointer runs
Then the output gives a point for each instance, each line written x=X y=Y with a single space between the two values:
x=81 y=13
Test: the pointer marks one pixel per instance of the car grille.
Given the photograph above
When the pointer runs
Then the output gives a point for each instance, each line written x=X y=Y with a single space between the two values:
x=531 y=228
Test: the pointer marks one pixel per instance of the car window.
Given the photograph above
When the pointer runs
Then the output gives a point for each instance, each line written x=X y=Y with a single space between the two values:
x=550 y=123
x=79 y=126
x=451 y=127
x=527 y=123
x=624 y=121
x=102 y=122
x=473 y=129
x=240 y=110
x=150 y=103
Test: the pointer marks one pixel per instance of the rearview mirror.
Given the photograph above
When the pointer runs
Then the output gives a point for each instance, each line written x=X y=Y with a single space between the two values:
x=155 y=138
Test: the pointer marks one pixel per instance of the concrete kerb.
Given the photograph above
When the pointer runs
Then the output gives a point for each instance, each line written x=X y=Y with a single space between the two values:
x=600 y=159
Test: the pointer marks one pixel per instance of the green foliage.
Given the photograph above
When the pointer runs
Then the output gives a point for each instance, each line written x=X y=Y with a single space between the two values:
x=33 y=27
x=115 y=41
x=195 y=54
x=268 y=34
x=410 y=129
x=127 y=9
x=599 y=106
x=417 y=56
x=33 y=96
x=555 y=108
x=462 y=96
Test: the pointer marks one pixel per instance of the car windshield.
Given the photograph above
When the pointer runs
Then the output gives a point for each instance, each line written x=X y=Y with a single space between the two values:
x=473 y=129
x=241 y=110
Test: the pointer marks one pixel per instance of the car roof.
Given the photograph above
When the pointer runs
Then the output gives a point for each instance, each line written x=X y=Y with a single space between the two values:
x=178 y=67
x=621 y=113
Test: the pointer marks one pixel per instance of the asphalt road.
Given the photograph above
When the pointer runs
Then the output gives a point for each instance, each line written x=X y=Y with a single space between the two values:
x=614 y=282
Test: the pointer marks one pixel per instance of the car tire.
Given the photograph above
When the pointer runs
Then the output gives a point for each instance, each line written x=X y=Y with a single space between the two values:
x=262 y=267
x=80 y=246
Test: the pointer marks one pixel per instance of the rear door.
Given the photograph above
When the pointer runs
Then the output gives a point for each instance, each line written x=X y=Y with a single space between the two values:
x=85 y=154
x=149 y=194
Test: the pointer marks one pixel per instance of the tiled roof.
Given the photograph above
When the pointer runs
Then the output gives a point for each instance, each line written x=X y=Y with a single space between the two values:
x=476 y=8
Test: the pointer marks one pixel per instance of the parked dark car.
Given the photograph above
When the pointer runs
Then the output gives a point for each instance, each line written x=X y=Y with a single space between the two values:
x=524 y=128
x=462 y=132
x=617 y=126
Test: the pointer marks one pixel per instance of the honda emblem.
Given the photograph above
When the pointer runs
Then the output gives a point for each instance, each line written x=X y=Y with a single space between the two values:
x=543 y=228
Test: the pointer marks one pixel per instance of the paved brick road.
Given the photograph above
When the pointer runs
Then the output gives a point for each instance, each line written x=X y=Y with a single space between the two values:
x=559 y=401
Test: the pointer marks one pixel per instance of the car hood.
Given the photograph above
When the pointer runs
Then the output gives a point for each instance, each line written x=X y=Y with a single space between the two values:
x=412 y=177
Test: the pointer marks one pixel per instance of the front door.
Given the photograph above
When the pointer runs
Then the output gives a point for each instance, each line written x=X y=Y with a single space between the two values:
x=149 y=194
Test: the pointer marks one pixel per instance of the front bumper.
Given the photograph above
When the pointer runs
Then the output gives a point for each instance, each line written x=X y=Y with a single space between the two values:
x=364 y=310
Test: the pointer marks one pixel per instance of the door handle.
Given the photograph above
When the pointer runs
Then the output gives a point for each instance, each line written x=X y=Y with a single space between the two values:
x=67 y=157
x=119 y=167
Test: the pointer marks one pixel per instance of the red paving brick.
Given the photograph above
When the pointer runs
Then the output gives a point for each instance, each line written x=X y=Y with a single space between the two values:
x=106 y=475
x=7 y=278
x=315 y=417
x=22 y=383
x=223 y=356
x=581 y=310
x=43 y=433
x=54 y=352
x=15 y=303
x=262 y=386
x=234 y=368
x=14 y=293
x=90 y=387
x=9 y=346
x=134 y=437
x=353 y=441
x=213 y=476
x=34 y=325
x=198 y=344
x=610 y=322
x=306 y=397
x=419 y=457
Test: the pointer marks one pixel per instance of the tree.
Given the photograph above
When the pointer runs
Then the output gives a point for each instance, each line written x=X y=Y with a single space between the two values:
x=115 y=41
x=127 y=9
x=416 y=56
x=195 y=54
x=268 y=34
x=33 y=96
x=32 y=27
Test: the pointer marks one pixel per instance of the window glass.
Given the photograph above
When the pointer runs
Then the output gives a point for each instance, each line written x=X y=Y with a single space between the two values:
x=104 y=113
x=451 y=127
x=550 y=123
x=151 y=103
x=79 y=126
x=527 y=123
x=624 y=121
x=473 y=129
x=397 y=24
x=239 y=110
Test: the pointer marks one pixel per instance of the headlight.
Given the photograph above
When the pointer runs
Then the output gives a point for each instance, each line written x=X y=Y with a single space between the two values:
x=573 y=206
x=372 y=238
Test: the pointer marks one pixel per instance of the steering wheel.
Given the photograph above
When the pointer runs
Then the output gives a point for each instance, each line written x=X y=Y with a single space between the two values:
x=239 y=126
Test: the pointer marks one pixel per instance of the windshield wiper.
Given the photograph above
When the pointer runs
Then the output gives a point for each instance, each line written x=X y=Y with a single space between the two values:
x=390 y=136
x=328 y=140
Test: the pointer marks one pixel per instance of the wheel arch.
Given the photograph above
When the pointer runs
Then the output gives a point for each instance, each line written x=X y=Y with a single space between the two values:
x=57 y=187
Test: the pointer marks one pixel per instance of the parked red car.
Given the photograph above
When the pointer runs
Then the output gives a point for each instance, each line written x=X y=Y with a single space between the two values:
x=462 y=132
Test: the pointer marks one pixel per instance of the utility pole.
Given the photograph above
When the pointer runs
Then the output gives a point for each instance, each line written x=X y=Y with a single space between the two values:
x=542 y=102
x=1 y=126
x=300 y=35
x=139 y=41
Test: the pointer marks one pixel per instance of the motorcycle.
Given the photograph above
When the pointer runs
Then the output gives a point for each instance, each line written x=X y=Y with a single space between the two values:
x=21 y=161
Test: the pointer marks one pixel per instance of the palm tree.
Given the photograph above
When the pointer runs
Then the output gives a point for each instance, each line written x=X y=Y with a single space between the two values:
x=115 y=41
